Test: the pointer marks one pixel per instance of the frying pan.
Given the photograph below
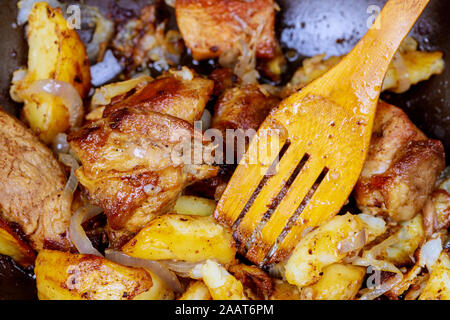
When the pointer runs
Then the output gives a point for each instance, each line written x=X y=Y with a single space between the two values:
x=309 y=27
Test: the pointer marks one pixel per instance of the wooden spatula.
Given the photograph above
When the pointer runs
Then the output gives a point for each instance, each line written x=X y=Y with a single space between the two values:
x=324 y=134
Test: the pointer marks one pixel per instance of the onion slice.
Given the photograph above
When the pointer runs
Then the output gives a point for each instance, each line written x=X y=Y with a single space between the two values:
x=352 y=243
x=184 y=268
x=154 y=266
x=76 y=231
x=383 y=288
x=63 y=90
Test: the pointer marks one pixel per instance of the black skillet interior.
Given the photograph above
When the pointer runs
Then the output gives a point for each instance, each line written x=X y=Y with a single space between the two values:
x=309 y=27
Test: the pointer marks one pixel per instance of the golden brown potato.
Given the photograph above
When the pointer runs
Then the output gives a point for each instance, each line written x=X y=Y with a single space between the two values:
x=221 y=284
x=320 y=248
x=405 y=241
x=55 y=52
x=32 y=186
x=401 y=167
x=196 y=290
x=408 y=67
x=66 y=276
x=210 y=28
x=438 y=286
x=182 y=237
x=194 y=206
x=338 y=282
x=284 y=291
x=11 y=244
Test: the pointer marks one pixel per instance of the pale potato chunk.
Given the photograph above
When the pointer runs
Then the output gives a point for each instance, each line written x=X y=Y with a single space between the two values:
x=404 y=242
x=320 y=248
x=438 y=286
x=196 y=290
x=338 y=282
x=195 y=206
x=66 y=276
x=56 y=52
x=221 y=284
x=183 y=237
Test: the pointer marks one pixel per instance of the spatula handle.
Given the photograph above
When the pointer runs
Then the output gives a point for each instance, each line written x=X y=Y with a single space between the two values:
x=362 y=71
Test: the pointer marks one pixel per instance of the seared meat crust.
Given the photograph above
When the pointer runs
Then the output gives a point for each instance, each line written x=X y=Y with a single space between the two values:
x=212 y=27
x=32 y=183
x=127 y=160
x=401 y=167
x=132 y=158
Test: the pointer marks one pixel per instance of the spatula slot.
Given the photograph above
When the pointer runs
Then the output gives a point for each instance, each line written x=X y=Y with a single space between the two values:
x=290 y=223
x=261 y=184
x=277 y=200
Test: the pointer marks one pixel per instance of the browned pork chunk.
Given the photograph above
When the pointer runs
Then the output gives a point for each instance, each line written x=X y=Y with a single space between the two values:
x=132 y=158
x=211 y=28
x=244 y=107
x=32 y=187
x=401 y=167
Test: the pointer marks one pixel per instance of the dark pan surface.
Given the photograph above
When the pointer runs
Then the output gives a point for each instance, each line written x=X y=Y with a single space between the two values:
x=308 y=26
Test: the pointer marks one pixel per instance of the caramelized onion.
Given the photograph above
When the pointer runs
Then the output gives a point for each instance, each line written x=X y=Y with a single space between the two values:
x=403 y=81
x=63 y=90
x=154 y=266
x=77 y=235
x=184 y=268
x=383 y=288
x=352 y=243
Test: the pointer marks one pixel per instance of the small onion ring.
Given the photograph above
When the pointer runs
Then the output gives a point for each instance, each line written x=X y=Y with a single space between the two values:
x=66 y=92
x=154 y=266
x=76 y=232
x=184 y=268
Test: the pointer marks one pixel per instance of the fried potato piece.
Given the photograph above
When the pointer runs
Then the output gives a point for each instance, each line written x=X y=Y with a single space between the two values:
x=32 y=183
x=210 y=28
x=66 y=276
x=197 y=290
x=338 y=282
x=438 y=286
x=405 y=241
x=320 y=248
x=408 y=67
x=182 y=237
x=55 y=52
x=12 y=245
x=401 y=167
x=221 y=284
x=284 y=291
x=196 y=206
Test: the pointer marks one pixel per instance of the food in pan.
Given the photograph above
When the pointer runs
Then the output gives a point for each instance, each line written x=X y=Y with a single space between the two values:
x=97 y=198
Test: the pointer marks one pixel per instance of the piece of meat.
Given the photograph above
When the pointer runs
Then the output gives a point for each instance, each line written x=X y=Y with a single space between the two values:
x=142 y=40
x=181 y=94
x=401 y=168
x=243 y=108
x=224 y=79
x=253 y=278
x=32 y=187
x=212 y=27
x=135 y=160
